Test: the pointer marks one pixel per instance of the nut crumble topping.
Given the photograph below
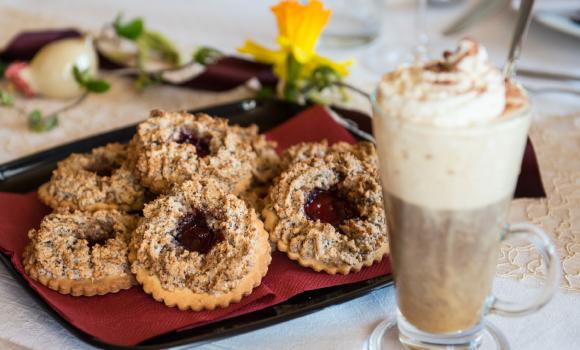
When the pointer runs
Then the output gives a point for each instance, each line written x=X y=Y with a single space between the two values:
x=64 y=246
x=317 y=166
x=92 y=181
x=161 y=159
x=155 y=247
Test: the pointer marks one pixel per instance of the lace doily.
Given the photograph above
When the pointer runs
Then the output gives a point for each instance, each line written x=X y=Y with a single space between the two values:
x=557 y=144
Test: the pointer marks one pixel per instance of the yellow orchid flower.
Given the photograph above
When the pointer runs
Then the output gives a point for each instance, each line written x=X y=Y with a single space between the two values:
x=299 y=27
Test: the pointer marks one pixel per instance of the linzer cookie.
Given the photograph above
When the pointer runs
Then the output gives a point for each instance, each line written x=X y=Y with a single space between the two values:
x=199 y=247
x=94 y=181
x=327 y=212
x=170 y=147
x=81 y=253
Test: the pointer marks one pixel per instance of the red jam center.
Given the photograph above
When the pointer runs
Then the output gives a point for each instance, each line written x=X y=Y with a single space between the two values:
x=201 y=143
x=328 y=207
x=194 y=234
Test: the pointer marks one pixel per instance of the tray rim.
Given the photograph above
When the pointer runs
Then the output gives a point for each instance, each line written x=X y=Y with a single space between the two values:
x=365 y=287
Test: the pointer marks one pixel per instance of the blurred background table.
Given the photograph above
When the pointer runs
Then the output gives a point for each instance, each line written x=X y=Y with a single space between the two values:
x=225 y=24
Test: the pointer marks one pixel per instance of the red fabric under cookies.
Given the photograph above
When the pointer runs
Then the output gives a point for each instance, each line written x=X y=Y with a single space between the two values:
x=130 y=317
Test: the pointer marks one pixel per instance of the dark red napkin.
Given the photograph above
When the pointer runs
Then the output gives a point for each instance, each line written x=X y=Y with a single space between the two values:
x=130 y=317
x=308 y=126
x=225 y=74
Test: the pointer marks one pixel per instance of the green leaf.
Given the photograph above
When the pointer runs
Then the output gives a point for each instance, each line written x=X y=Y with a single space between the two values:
x=97 y=86
x=153 y=44
x=90 y=84
x=323 y=77
x=6 y=99
x=130 y=30
x=207 y=55
x=81 y=76
x=35 y=116
x=37 y=123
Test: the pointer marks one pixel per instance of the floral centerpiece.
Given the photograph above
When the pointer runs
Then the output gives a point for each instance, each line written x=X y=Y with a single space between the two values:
x=303 y=73
x=59 y=68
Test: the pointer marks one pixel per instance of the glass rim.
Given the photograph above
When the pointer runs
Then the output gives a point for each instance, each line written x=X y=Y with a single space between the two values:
x=497 y=123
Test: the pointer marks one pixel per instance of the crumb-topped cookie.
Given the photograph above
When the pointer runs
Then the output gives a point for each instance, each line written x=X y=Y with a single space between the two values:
x=365 y=151
x=255 y=195
x=170 y=147
x=327 y=212
x=267 y=161
x=81 y=253
x=199 y=247
x=94 y=181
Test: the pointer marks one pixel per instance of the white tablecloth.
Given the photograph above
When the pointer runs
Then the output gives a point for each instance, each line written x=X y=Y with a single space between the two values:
x=225 y=24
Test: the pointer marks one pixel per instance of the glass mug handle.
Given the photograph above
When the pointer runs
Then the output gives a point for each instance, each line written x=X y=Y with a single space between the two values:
x=547 y=249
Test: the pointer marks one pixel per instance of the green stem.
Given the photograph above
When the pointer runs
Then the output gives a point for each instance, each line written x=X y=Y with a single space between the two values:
x=69 y=106
x=291 y=90
x=353 y=88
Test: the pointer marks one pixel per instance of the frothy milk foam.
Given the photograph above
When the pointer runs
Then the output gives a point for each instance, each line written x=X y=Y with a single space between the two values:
x=450 y=135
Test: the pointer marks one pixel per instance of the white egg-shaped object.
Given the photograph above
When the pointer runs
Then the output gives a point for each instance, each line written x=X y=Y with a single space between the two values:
x=51 y=70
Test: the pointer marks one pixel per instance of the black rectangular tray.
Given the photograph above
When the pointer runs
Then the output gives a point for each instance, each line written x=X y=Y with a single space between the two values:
x=26 y=174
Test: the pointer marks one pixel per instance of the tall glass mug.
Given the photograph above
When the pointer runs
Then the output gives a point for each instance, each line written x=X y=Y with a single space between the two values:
x=447 y=194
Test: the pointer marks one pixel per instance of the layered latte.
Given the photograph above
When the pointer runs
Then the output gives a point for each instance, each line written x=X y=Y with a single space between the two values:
x=450 y=135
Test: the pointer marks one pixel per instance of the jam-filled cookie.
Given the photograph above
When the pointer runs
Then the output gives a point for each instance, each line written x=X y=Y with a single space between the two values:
x=81 y=253
x=327 y=212
x=94 y=181
x=170 y=147
x=199 y=247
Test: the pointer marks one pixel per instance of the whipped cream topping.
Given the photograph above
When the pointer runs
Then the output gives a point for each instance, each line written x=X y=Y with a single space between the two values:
x=461 y=89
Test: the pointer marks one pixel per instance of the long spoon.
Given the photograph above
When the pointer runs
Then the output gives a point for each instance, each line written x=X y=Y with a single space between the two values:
x=524 y=17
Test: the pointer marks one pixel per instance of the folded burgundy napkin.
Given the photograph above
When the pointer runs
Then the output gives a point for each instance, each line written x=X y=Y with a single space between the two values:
x=131 y=316
x=225 y=74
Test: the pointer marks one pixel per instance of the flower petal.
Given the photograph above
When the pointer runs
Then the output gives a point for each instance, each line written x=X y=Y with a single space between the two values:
x=301 y=25
x=317 y=61
x=261 y=53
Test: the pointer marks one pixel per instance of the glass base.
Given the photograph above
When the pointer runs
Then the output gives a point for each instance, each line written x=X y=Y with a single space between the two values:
x=394 y=336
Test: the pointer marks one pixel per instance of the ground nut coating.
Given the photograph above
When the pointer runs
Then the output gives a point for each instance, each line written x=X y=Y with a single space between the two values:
x=170 y=147
x=357 y=241
x=93 y=181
